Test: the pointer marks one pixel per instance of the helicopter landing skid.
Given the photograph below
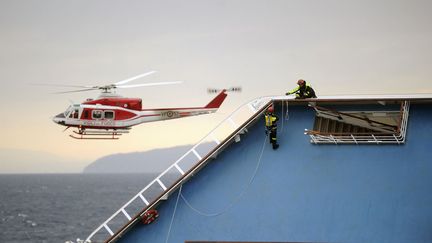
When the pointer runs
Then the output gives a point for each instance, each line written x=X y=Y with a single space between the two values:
x=97 y=134
x=82 y=136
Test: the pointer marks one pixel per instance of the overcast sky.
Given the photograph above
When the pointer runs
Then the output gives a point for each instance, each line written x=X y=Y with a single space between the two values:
x=340 y=47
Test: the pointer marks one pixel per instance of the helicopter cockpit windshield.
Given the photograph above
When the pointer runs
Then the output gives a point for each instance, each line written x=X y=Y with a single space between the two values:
x=72 y=111
x=68 y=110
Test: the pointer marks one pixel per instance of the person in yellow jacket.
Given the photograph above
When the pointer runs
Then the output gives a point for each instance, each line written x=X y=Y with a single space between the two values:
x=271 y=126
x=303 y=90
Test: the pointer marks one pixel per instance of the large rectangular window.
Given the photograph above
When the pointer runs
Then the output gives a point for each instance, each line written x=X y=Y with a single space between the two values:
x=360 y=123
x=97 y=114
x=109 y=115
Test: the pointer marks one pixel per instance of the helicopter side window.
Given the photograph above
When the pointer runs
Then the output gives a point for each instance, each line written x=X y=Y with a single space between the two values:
x=75 y=114
x=109 y=115
x=97 y=114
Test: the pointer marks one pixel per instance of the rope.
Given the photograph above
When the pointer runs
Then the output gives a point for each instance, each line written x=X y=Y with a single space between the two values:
x=282 y=115
x=237 y=198
x=286 y=117
x=224 y=210
x=172 y=218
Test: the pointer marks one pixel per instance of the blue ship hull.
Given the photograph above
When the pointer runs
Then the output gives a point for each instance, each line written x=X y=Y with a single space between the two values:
x=304 y=192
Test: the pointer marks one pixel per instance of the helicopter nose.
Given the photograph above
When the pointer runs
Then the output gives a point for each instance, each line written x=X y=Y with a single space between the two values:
x=59 y=119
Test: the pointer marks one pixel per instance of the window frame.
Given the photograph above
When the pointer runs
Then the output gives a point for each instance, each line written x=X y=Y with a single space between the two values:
x=99 y=118
x=111 y=118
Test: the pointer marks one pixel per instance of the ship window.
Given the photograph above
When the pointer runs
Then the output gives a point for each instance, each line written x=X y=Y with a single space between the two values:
x=109 y=114
x=97 y=114
x=376 y=125
x=86 y=114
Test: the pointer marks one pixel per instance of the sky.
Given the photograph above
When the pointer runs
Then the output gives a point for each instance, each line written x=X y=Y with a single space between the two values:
x=338 y=46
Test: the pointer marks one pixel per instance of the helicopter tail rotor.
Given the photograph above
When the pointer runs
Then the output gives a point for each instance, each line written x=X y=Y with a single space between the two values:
x=237 y=89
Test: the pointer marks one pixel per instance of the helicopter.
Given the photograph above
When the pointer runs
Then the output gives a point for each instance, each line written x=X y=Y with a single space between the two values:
x=111 y=115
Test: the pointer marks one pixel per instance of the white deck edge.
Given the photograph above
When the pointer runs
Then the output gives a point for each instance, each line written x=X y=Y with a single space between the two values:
x=358 y=97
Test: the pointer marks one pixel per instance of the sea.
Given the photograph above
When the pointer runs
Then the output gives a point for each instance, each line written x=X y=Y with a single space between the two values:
x=61 y=207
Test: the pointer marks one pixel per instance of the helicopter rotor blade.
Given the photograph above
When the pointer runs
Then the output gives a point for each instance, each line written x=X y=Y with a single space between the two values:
x=107 y=88
x=148 y=84
x=133 y=78
x=60 y=85
x=75 y=91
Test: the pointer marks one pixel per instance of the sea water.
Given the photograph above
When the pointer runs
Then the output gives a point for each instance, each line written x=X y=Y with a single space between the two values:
x=61 y=207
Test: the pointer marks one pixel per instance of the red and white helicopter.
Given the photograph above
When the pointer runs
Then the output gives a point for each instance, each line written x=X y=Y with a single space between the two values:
x=111 y=115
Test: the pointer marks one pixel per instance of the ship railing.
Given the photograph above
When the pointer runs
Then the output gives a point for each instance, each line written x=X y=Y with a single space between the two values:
x=397 y=137
x=159 y=189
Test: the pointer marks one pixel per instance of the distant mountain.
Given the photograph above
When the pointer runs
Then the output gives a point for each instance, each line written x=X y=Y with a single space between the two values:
x=152 y=161
x=29 y=161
